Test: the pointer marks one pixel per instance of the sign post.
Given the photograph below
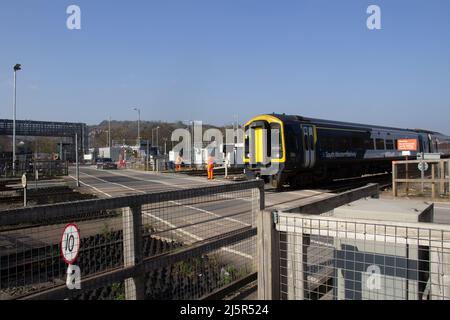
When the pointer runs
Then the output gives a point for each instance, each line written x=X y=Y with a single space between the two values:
x=77 y=163
x=24 y=185
x=70 y=248
x=406 y=146
x=423 y=166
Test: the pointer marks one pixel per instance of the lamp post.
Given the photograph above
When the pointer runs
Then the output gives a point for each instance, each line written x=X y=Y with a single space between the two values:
x=17 y=67
x=109 y=132
x=107 y=137
x=139 y=124
x=157 y=137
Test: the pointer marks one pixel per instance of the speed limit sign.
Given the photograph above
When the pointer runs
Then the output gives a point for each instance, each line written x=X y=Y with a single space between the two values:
x=70 y=243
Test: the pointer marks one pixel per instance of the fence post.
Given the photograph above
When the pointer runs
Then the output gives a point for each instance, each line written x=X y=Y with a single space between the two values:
x=407 y=176
x=448 y=177
x=394 y=178
x=442 y=177
x=132 y=251
x=433 y=183
x=268 y=257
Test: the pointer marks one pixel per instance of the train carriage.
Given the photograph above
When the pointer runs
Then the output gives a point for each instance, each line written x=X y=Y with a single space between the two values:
x=295 y=150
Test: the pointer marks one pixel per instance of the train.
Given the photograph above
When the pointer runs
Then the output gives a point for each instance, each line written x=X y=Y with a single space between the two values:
x=297 y=151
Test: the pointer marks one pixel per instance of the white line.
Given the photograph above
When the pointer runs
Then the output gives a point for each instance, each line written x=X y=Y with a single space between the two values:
x=109 y=182
x=174 y=226
x=96 y=189
x=168 y=223
x=211 y=213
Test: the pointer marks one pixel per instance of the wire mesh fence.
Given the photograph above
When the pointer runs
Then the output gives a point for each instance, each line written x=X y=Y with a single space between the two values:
x=181 y=244
x=326 y=258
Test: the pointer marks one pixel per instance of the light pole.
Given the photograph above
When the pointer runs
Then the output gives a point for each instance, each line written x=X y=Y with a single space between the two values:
x=107 y=137
x=139 y=124
x=17 y=67
x=157 y=137
x=109 y=132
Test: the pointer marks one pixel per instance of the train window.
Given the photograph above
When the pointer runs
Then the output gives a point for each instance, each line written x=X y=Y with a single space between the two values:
x=305 y=142
x=311 y=141
x=247 y=143
x=357 y=143
x=379 y=143
x=390 y=144
x=368 y=144
x=276 y=149
x=343 y=144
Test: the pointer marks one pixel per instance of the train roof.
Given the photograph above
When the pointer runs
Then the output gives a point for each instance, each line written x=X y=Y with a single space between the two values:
x=285 y=117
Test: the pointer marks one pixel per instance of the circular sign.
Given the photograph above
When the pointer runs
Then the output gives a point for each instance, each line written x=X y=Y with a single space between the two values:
x=423 y=166
x=24 y=180
x=70 y=243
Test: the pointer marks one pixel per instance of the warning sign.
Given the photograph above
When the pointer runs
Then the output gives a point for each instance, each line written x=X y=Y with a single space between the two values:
x=407 y=145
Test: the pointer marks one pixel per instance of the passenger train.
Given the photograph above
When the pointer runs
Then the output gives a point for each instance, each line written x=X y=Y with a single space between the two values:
x=295 y=150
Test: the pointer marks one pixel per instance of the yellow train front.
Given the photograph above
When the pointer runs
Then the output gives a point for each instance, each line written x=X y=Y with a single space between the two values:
x=272 y=148
x=297 y=151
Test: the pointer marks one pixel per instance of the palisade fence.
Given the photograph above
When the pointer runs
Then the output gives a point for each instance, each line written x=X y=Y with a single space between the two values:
x=184 y=244
x=317 y=256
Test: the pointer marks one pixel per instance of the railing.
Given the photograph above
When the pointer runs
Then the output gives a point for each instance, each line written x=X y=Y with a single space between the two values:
x=46 y=169
x=186 y=244
x=323 y=257
x=421 y=178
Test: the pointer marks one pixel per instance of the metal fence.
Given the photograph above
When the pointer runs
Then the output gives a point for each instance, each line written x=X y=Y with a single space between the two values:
x=185 y=244
x=323 y=257
x=46 y=169
x=421 y=178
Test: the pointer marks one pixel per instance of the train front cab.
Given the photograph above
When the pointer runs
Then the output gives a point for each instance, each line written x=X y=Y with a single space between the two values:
x=265 y=152
x=280 y=162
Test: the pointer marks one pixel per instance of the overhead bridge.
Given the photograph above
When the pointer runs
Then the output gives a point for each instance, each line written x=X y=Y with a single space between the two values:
x=47 y=129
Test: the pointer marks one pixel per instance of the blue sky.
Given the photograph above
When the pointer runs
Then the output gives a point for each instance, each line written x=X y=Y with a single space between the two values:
x=211 y=60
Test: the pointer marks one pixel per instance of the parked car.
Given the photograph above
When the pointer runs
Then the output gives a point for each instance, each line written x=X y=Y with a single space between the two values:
x=106 y=163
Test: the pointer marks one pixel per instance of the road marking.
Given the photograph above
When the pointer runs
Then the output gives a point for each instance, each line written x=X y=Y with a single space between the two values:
x=115 y=183
x=88 y=185
x=168 y=223
x=172 y=175
x=164 y=183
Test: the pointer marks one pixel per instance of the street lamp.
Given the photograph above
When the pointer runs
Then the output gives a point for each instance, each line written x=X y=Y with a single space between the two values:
x=139 y=124
x=17 y=67
x=107 y=137
x=157 y=137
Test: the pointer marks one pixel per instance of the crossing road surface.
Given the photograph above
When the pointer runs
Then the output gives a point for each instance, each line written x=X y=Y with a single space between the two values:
x=126 y=182
x=184 y=219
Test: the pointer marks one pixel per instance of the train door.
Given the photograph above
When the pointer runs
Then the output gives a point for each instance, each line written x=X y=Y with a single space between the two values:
x=309 y=145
